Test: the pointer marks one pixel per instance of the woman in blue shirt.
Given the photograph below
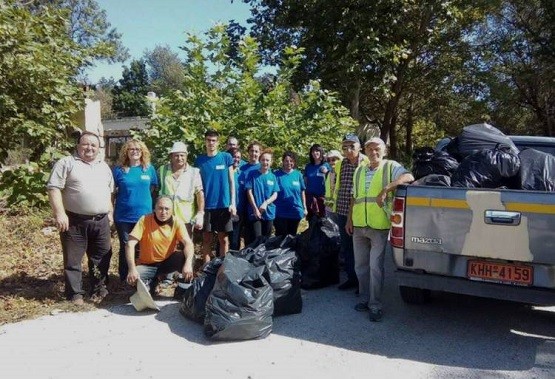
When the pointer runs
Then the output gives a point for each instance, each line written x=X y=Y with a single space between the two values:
x=291 y=201
x=315 y=178
x=262 y=189
x=135 y=181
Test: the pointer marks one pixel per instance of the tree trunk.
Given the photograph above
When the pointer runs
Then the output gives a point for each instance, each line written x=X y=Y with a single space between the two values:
x=408 y=142
x=355 y=101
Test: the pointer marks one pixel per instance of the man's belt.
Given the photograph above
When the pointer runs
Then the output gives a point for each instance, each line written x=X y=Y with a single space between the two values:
x=79 y=216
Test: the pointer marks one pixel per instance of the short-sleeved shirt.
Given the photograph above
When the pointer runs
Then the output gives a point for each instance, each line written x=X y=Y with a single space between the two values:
x=289 y=203
x=86 y=187
x=214 y=172
x=241 y=197
x=263 y=186
x=182 y=190
x=157 y=242
x=133 y=192
x=315 y=179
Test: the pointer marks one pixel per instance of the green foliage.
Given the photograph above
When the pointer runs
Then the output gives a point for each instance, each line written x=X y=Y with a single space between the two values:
x=231 y=97
x=129 y=95
x=165 y=70
x=24 y=186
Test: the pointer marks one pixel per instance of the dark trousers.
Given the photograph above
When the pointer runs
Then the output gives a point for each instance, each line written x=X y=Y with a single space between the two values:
x=89 y=236
x=285 y=226
x=258 y=228
x=235 y=235
x=347 y=248
x=150 y=274
x=123 y=229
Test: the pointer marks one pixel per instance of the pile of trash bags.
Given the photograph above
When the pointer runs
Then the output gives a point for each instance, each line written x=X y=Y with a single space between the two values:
x=483 y=157
x=236 y=298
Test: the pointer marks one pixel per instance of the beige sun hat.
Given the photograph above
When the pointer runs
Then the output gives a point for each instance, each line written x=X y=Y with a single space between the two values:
x=141 y=299
x=178 y=147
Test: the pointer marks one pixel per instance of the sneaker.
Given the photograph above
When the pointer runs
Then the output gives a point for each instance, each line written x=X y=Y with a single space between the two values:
x=99 y=295
x=362 y=307
x=348 y=285
x=77 y=300
x=376 y=315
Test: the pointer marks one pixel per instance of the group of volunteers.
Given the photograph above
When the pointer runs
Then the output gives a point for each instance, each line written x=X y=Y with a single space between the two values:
x=220 y=195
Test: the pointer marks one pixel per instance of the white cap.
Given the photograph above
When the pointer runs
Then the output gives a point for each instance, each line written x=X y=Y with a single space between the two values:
x=377 y=140
x=334 y=154
x=178 y=147
x=142 y=300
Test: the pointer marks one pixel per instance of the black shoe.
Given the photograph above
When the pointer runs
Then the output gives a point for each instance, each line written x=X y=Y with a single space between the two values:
x=376 y=315
x=362 y=307
x=348 y=285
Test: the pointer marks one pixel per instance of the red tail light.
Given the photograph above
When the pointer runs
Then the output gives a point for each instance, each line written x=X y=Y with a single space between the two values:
x=397 y=222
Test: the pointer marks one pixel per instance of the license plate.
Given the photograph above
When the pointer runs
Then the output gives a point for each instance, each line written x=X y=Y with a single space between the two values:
x=500 y=272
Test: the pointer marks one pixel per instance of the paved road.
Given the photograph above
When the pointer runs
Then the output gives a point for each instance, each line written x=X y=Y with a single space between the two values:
x=453 y=337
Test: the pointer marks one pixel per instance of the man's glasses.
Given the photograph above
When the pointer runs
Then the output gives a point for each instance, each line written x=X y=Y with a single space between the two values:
x=347 y=147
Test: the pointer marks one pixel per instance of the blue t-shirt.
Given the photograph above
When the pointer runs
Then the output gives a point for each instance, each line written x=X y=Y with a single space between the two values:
x=214 y=172
x=241 y=193
x=315 y=179
x=133 y=196
x=262 y=186
x=289 y=203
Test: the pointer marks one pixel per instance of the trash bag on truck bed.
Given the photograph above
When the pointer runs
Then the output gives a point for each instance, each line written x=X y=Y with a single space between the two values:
x=487 y=169
x=477 y=137
x=241 y=304
x=537 y=170
x=426 y=161
x=278 y=254
x=434 y=180
x=319 y=251
x=193 y=297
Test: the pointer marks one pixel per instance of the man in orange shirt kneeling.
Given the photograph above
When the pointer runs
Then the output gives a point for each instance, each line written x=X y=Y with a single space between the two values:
x=157 y=234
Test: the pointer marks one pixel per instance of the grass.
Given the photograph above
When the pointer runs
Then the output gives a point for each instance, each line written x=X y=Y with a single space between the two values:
x=31 y=270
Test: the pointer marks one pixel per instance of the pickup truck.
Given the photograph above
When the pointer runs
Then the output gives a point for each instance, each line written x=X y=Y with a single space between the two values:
x=494 y=243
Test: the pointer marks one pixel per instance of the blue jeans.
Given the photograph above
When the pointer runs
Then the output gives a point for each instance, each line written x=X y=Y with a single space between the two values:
x=346 y=248
x=123 y=229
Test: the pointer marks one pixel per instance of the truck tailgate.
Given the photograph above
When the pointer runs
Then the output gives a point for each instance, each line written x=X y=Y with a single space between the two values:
x=497 y=224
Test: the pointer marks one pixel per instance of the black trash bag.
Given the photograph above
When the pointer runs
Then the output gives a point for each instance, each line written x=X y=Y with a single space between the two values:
x=194 y=296
x=319 y=248
x=278 y=255
x=478 y=137
x=537 y=170
x=434 y=180
x=241 y=305
x=427 y=161
x=487 y=169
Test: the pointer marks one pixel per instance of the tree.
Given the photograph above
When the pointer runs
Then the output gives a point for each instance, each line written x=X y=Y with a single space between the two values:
x=129 y=95
x=230 y=97
x=516 y=48
x=88 y=27
x=38 y=94
x=372 y=53
x=165 y=69
x=104 y=93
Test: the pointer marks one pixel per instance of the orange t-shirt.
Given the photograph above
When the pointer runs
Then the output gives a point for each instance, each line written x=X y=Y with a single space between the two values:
x=157 y=242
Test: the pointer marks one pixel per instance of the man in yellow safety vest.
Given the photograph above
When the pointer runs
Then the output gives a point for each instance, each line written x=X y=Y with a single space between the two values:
x=373 y=186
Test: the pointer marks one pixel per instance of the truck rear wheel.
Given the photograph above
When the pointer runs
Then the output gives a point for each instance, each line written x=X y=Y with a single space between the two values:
x=412 y=295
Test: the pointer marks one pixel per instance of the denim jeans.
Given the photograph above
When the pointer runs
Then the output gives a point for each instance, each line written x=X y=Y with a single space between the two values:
x=150 y=274
x=123 y=229
x=346 y=248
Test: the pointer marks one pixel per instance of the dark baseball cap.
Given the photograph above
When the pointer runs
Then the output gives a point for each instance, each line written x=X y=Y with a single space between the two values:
x=351 y=137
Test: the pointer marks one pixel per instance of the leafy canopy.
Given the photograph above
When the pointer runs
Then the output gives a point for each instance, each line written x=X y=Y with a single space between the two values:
x=235 y=97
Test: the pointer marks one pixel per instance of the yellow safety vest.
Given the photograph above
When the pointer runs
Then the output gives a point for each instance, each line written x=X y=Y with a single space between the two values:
x=333 y=196
x=366 y=211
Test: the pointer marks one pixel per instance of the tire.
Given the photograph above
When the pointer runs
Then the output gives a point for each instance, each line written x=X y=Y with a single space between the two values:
x=412 y=295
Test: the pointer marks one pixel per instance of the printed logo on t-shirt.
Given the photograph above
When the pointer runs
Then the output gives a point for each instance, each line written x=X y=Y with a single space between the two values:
x=270 y=182
x=320 y=174
x=220 y=167
x=296 y=183
x=145 y=177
